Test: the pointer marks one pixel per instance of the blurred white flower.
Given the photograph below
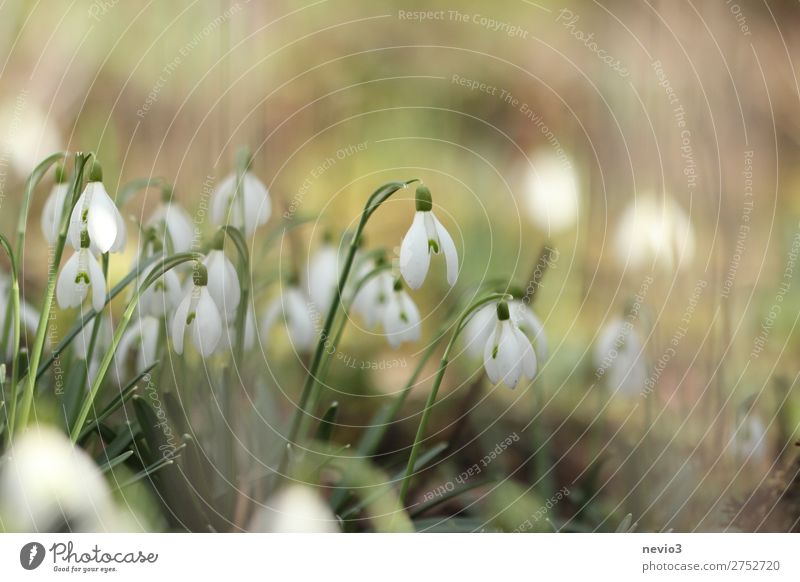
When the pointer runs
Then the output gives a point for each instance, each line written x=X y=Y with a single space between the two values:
x=619 y=356
x=552 y=198
x=29 y=134
x=171 y=222
x=163 y=296
x=297 y=314
x=750 y=439
x=199 y=314
x=248 y=213
x=141 y=337
x=295 y=509
x=654 y=231
x=480 y=326
x=97 y=214
x=426 y=236
x=81 y=272
x=54 y=210
x=229 y=335
x=223 y=283
x=105 y=335
x=322 y=276
x=371 y=300
x=46 y=483
x=508 y=354
x=401 y=319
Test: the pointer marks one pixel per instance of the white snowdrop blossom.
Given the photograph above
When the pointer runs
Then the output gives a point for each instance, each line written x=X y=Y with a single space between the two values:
x=173 y=226
x=508 y=354
x=371 y=300
x=54 y=208
x=223 y=283
x=295 y=509
x=80 y=273
x=199 y=314
x=322 y=276
x=620 y=359
x=249 y=212
x=552 y=195
x=401 y=319
x=480 y=326
x=47 y=482
x=750 y=441
x=296 y=310
x=97 y=214
x=163 y=296
x=141 y=338
x=425 y=237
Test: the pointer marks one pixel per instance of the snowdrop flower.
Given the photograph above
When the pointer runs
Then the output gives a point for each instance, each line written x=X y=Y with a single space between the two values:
x=552 y=197
x=750 y=441
x=480 y=326
x=142 y=339
x=223 y=282
x=322 y=275
x=401 y=319
x=81 y=272
x=297 y=313
x=508 y=354
x=619 y=358
x=54 y=207
x=657 y=231
x=295 y=509
x=371 y=300
x=172 y=223
x=199 y=314
x=97 y=214
x=47 y=482
x=163 y=296
x=426 y=236
x=248 y=213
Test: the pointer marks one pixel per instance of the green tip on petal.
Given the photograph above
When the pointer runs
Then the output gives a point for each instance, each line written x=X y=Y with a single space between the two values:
x=502 y=311
x=200 y=275
x=433 y=246
x=85 y=241
x=398 y=284
x=424 y=199
x=96 y=172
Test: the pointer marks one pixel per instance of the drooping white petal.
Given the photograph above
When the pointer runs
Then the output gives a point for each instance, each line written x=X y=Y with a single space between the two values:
x=163 y=296
x=230 y=334
x=97 y=281
x=102 y=218
x=253 y=210
x=84 y=338
x=295 y=509
x=258 y=205
x=298 y=319
x=449 y=250
x=53 y=211
x=414 y=256
x=323 y=277
x=371 y=300
x=176 y=227
x=489 y=355
x=179 y=322
x=221 y=199
x=207 y=326
x=509 y=356
x=274 y=309
x=68 y=292
x=149 y=342
x=527 y=355
x=530 y=325
x=478 y=329
x=401 y=320
x=223 y=283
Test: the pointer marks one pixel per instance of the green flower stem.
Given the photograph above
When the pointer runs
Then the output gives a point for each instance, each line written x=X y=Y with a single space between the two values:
x=15 y=310
x=423 y=423
x=44 y=315
x=375 y=200
x=158 y=271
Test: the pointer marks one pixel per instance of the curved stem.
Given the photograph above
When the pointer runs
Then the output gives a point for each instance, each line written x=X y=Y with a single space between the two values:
x=426 y=413
x=44 y=316
x=15 y=310
x=374 y=201
x=158 y=271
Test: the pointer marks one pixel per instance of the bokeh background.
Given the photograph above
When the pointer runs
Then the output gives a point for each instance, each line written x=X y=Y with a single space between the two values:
x=535 y=124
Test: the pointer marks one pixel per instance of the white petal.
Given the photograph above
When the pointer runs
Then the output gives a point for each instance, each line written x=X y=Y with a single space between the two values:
x=449 y=249
x=76 y=224
x=103 y=218
x=530 y=325
x=509 y=356
x=52 y=212
x=149 y=342
x=489 y=361
x=258 y=205
x=179 y=323
x=274 y=309
x=401 y=321
x=179 y=228
x=414 y=256
x=207 y=326
x=97 y=282
x=221 y=200
x=298 y=320
x=223 y=284
x=478 y=329
x=323 y=277
x=68 y=293
x=527 y=354
x=128 y=342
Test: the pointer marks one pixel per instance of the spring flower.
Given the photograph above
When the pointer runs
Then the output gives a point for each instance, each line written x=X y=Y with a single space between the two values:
x=401 y=319
x=199 y=314
x=654 y=231
x=552 y=198
x=163 y=296
x=426 y=236
x=46 y=482
x=480 y=326
x=223 y=283
x=750 y=441
x=248 y=213
x=54 y=207
x=322 y=275
x=81 y=272
x=141 y=338
x=171 y=221
x=371 y=300
x=97 y=214
x=297 y=313
x=295 y=509
x=619 y=358
x=508 y=354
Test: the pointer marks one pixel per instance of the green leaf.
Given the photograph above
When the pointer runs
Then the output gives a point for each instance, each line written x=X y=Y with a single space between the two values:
x=328 y=423
x=111 y=463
